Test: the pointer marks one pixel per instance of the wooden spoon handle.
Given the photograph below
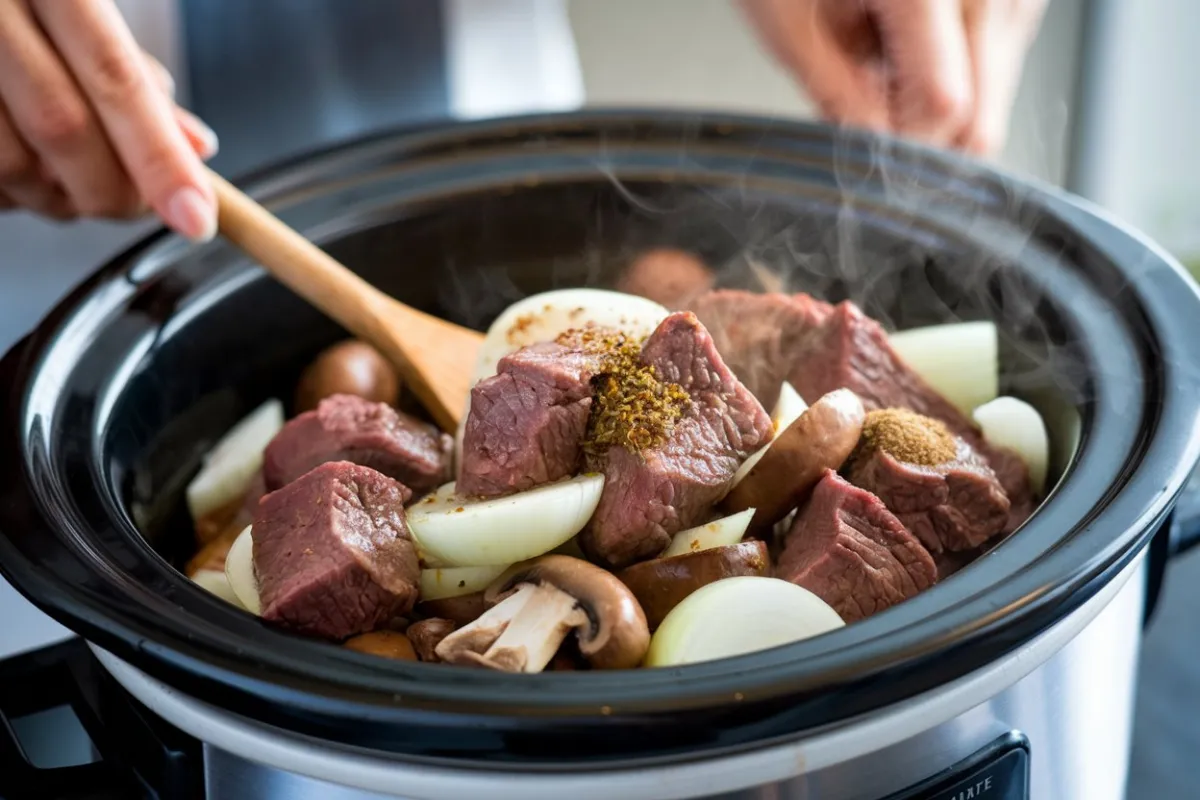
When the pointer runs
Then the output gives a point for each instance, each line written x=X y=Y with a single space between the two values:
x=300 y=265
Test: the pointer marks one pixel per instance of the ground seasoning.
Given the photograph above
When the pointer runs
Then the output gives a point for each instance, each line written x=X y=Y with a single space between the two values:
x=631 y=407
x=908 y=437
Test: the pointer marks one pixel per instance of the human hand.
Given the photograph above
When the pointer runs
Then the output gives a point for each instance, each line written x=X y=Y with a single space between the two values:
x=88 y=126
x=941 y=71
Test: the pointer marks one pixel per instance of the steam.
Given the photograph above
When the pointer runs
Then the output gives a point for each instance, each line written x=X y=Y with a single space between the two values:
x=910 y=240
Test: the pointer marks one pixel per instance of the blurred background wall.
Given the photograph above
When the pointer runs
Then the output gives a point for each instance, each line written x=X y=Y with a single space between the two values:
x=703 y=54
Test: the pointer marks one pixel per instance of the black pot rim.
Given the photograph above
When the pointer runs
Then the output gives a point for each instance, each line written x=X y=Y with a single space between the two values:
x=316 y=690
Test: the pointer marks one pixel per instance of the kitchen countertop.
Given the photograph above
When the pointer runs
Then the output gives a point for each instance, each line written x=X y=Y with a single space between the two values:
x=40 y=261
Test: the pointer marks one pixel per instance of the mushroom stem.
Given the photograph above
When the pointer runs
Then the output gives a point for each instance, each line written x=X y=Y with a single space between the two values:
x=520 y=634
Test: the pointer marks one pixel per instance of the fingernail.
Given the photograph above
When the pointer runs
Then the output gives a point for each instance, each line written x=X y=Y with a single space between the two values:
x=202 y=138
x=191 y=215
x=207 y=138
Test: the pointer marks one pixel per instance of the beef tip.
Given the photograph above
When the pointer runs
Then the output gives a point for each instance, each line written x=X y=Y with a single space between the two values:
x=527 y=422
x=348 y=428
x=673 y=278
x=654 y=491
x=933 y=481
x=949 y=562
x=848 y=549
x=1013 y=475
x=819 y=347
x=759 y=335
x=332 y=552
x=427 y=634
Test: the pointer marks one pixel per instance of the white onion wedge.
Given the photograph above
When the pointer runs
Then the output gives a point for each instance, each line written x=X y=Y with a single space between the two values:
x=216 y=582
x=438 y=584
x=239 y=569
x=234 y=460
x=735 y=616
x=466 y=532
x=788 y=409
x=1012 y=423
x=718 y=533
x=961 y=360
x=542 y=317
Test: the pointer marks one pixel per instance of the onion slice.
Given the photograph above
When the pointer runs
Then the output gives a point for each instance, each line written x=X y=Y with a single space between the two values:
x=472 y=532
x=439 y=584
x=735 y=616
x=217 y=582
x=1016 y=425
x=239 y=569
x=718 y=533
x=235 y=459
x=960 y=360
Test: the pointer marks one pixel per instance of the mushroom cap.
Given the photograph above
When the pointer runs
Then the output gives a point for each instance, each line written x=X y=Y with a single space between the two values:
x=616 y=636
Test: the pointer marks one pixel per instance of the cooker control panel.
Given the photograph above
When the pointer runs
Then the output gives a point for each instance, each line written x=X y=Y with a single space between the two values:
x=999 y=771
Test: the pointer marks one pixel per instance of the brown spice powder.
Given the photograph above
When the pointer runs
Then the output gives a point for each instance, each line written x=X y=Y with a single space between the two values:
x=631 y=406
x=908 y=437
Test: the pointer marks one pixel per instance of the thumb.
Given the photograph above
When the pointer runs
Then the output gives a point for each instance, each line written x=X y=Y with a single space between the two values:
x=929 y=67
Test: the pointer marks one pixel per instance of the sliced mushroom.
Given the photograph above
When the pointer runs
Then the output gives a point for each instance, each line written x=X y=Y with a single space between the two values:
x=426 y=634
x=663 y=583
x=821 y=438
x=533 y=608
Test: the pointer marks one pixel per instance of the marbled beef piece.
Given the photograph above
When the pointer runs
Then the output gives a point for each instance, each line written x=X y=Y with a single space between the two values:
x=526 y=423
x=348 y=428
x=818 y=347
x=332 y=552
x=933 y=481
x=653 y=492
x=849 y=550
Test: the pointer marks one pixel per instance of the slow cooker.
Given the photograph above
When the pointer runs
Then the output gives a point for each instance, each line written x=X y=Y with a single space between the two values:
x=1012 y=678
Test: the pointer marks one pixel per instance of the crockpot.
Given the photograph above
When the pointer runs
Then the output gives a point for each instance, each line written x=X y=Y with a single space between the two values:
x=1011 y=678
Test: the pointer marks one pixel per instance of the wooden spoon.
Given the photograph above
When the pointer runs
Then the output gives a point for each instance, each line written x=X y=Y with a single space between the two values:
x=436 y=358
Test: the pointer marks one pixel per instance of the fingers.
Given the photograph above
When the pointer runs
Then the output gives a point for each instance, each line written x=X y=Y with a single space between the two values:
x=824 y=45
x=54 y=121
x=201 y=137
x=998 y=36
x=929 y=67
x=138 y=117
x=23 y=179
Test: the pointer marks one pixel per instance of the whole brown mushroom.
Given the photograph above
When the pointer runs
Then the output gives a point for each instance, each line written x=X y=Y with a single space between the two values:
x=534 y=606
x=667 y=276
x=384 y=643
x=349 y=367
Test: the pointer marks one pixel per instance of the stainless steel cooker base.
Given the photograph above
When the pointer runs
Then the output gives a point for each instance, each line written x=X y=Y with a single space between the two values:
x=1069 y=692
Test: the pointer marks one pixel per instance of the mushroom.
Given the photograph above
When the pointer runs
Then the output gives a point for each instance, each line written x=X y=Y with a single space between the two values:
x=426 y=634
x=461 y=610
x=535 y=605
x=663 y=583
x=821 y=438
x=385 y=643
